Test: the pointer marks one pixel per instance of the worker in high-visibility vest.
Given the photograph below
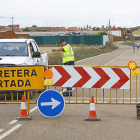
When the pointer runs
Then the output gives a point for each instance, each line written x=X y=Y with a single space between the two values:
x=67 y=58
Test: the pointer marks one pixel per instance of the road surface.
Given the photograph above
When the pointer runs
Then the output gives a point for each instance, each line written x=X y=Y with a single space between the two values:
x=118 y=122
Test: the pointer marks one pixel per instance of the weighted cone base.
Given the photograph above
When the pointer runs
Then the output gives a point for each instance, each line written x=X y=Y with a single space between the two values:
x=20 y=119
x=92 y=119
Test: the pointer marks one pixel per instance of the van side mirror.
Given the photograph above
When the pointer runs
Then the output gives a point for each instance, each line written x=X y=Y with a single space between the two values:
x=36 y=54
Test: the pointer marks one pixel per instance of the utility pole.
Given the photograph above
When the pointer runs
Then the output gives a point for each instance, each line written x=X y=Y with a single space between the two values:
x=109 y=30
x=12 y=21
x=131 y=36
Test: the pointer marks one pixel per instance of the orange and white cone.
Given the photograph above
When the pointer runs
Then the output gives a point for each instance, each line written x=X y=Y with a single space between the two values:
x=23 y=111
x=92 y=112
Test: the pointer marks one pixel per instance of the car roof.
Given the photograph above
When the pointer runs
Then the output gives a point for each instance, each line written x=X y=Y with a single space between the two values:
x=15 y=40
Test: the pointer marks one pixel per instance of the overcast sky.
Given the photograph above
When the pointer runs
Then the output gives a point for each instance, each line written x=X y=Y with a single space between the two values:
x=79 y=13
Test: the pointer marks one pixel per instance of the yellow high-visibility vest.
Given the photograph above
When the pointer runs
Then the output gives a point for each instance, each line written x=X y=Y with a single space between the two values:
x=68 y=54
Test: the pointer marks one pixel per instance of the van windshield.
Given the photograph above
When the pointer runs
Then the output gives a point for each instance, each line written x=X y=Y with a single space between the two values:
x=13 y=49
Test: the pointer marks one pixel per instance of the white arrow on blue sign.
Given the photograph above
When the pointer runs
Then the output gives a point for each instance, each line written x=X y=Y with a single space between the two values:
x=51 y=103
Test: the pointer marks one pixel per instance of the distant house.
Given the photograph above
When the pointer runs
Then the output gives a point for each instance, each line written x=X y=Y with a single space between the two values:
x=11 y=34
x=9 y=28
x=34 y=28
x=70 y=29
x=136 y=32
x=115 y=32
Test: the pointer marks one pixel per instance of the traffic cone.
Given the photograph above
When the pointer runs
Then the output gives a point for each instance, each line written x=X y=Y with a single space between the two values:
x=23 y=111
x=92 y=112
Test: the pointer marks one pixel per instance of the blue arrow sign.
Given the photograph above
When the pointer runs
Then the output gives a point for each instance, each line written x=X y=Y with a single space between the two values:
x=50 y=103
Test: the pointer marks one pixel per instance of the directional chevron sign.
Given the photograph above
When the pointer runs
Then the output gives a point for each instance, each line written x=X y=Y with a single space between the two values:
x=91 y=77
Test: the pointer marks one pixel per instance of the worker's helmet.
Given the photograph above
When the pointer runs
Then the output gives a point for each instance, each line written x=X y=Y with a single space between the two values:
x=61 y=40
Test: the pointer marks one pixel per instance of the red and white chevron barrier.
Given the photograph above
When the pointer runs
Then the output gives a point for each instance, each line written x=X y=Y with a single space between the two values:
x=91 y=77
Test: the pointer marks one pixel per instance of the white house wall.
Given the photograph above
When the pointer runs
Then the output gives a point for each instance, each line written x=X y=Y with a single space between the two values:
x=117 y=33
x=105 y=39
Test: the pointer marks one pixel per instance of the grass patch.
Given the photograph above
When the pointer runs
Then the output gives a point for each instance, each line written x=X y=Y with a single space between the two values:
x=80 y=53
